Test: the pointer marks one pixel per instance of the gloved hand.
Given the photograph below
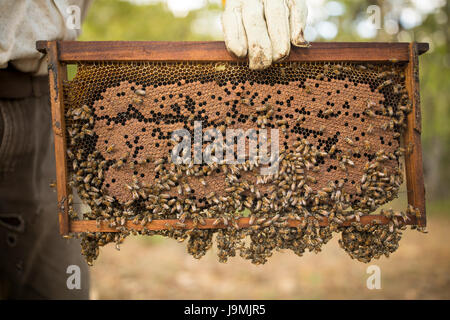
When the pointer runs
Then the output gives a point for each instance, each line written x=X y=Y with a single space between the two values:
x=264 y=28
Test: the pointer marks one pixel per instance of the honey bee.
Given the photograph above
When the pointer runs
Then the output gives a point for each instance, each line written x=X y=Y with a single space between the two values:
x=245 y=101
x=262 y=108
x=87 y=178
x=349 y=162
x=397 y=89
x=337 y=69
x=179 y=224
x=332 y=149
x=308 y=89
x=409 y=148
x=371 y=104
x=186 y=187
x=349 y=141
x=342 y=166
x=367 y=145
x=182 y=217
x=220 y=67
x=110 y=148
x=225 y=220
x=385 y=84
x=70 y=154
x=384 y=74
x=140 y=92
x=362 y=67
x=405 y=109
x=86 y=109
x=201 y=220
x=216 y=222
x=137 y=101
x=119 y=164
x=370 y=113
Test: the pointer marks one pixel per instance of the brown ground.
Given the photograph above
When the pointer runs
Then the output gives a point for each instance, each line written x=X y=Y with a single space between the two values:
x=161 y=269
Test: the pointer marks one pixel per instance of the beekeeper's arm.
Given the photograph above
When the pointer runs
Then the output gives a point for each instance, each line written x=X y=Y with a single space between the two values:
x=263 y=29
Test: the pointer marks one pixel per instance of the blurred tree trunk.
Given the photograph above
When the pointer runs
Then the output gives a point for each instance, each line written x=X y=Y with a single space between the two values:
x=433 y=175
x=436 y=149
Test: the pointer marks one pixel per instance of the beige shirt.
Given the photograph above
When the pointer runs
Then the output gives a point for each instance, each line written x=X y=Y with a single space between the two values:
x=23 y=22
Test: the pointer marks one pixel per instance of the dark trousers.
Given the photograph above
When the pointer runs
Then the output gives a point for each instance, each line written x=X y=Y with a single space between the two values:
x=34 y=258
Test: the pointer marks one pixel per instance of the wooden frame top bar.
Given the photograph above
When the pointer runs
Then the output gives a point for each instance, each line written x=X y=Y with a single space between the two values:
x=75 y=51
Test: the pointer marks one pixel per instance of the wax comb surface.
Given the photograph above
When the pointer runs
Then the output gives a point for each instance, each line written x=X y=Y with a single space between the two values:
x=345 y=113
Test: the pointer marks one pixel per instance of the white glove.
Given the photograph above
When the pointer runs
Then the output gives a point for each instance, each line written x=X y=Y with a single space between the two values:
x=264 y=28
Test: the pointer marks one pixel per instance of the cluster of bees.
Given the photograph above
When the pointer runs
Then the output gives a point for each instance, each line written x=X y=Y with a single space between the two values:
x=328 y=169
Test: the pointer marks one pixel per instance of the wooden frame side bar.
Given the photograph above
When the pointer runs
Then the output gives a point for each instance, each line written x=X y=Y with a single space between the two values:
x=56 y=73
x=413 y=160
x=91 y=225
x=78 y=51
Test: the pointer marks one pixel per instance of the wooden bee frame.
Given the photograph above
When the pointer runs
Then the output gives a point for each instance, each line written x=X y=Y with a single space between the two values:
x=61 y=53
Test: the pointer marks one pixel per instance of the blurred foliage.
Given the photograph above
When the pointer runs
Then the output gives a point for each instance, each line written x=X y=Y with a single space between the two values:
x=123 y=20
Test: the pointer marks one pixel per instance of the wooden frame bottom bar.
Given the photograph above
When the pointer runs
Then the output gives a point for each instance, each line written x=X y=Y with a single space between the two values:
x=91 y=225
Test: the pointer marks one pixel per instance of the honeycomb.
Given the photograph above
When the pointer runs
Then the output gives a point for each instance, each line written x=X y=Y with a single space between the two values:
x=339 y=128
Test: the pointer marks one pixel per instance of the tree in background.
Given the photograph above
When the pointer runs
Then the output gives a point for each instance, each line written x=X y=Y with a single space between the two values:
x=124 y=20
